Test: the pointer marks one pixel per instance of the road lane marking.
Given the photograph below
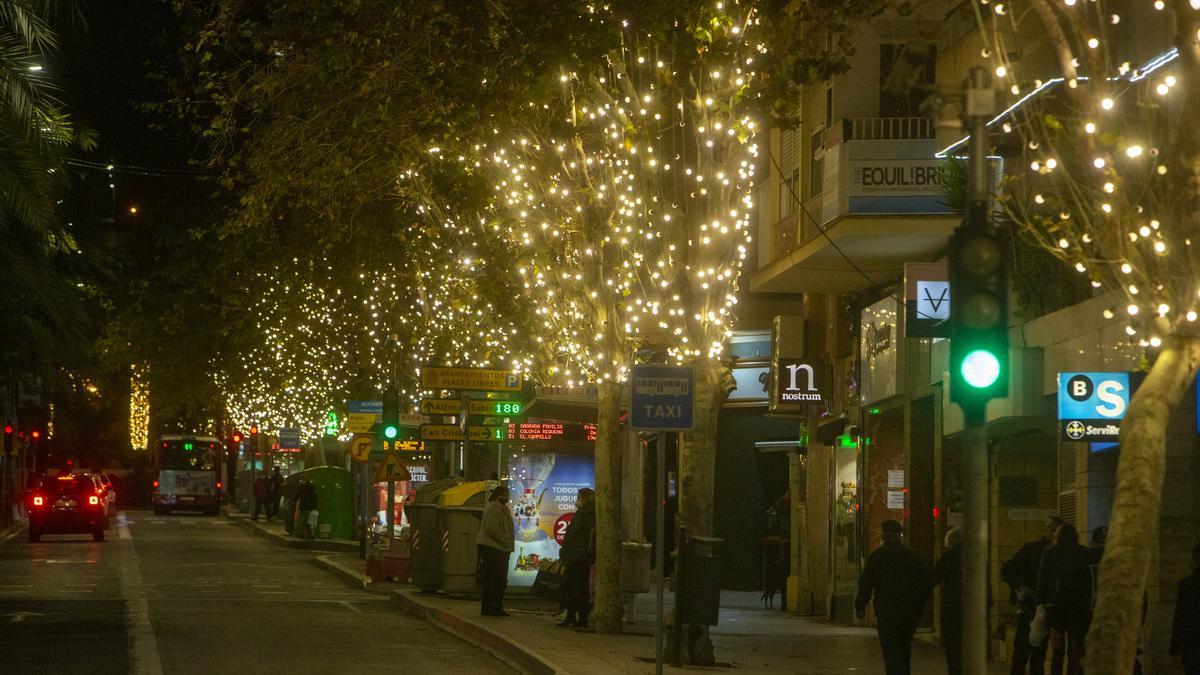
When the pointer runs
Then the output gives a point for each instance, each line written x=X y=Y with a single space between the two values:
x=350 y=606
x=18 y=617
x=143 y=645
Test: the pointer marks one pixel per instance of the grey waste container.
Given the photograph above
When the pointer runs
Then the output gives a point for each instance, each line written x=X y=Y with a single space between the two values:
x=703 y=581
x=460 y=510
x=635 y=567
x=427 y=534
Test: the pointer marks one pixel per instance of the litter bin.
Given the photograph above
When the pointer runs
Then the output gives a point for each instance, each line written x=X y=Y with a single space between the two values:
x=335 y=501
x=459 y=514
x=426 y=535
x=702 y=580
x=635 y=567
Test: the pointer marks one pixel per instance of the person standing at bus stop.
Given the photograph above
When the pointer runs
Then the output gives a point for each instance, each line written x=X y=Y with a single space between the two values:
x=274 y=490
x=306 y=502
x=576 y=554
x=495 y=545
x=260 y=497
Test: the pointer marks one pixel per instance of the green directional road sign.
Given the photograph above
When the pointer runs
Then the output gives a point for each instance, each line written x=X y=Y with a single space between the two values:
x=451 y=432
x=470 y=379
x=480 y=407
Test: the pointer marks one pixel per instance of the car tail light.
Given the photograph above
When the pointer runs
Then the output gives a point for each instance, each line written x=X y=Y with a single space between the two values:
x=94 y=500
x=39 y=501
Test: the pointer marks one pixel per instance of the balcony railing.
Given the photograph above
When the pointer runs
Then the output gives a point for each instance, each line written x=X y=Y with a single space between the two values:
x=888 y=128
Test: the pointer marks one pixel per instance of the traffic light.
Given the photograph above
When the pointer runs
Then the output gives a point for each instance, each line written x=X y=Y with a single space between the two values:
x=978 y=314
x=8 y=439
x=236 y=437
x=391 y=416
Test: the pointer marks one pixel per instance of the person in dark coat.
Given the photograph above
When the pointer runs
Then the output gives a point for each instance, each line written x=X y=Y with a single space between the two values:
x=1020 y=572
x=274 y=491
x=495 y=546
x=897 y=579
x=260 y=497
x=1185 y=629
x=948 y=573
x=576 y=554
x=1065 y=587
x=306 y=500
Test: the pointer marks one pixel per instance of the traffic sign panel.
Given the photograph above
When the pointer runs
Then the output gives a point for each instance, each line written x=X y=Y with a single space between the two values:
x=289 y=437
x=360 y=447
x=472 y=379
x=373 y=407
x=484 y=407
x=662 y=398
x=361 y=423
x=391 y=470
x=451 y=432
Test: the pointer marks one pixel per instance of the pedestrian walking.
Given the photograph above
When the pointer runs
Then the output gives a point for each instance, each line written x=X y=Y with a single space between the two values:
x=495 y=546
x=306 y=503
x=897 y=580
x=576 y=554
x=1020 y=572
x=1065 y=590
x=260 y=497
x=274 y=490
x=947 y=572
x=1185 y=629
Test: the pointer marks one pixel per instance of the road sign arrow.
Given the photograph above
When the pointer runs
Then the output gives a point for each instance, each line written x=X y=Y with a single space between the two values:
x=18 y=617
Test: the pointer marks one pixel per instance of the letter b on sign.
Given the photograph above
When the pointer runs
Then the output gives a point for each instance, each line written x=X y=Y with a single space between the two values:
x=1080 y=388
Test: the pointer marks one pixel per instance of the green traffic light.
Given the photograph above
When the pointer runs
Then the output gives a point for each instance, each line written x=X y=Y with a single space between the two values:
x=390 y=432
x=980 y=368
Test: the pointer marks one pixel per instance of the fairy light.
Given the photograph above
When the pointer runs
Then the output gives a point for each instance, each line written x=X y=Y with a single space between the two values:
x=139 y=407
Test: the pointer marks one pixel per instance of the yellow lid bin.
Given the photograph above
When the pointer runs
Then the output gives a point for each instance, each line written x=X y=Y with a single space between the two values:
x=460 y=510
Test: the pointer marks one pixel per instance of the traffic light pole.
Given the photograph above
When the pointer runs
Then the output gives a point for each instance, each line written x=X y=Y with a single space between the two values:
x=975 y=446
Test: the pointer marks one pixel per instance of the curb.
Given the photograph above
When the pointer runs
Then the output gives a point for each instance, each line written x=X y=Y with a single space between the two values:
x=519 y=656
x=291 y=542
x=12 y=532
x=354 y=577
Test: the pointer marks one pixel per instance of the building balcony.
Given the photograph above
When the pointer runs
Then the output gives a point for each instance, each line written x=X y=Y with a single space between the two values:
x=880 y=206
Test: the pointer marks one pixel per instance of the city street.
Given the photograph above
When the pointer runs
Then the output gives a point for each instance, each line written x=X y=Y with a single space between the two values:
x=191 y=594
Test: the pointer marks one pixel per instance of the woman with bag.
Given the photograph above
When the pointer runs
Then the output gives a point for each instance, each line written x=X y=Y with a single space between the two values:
x=495 y=545
x=576 y=554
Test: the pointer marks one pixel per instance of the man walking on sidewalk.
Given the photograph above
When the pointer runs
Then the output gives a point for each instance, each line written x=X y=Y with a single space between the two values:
x=1020 y=572
x=576 y=554
x=260 y=497
x=898 y=580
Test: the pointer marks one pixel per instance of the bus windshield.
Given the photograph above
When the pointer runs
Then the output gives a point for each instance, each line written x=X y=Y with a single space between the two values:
x=187 y=456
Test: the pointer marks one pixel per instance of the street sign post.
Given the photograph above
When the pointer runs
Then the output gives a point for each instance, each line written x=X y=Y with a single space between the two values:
x=663 y=399
x=363 y=415
x=360 y=447
x=470 y=379
x=478 y=407
x=451 y=432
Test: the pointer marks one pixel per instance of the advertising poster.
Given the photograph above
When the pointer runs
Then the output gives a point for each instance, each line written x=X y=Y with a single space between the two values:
x=542 y=492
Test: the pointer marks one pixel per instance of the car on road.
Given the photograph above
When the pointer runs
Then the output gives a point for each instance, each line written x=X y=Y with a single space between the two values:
x=69 y=503
x=110 y=492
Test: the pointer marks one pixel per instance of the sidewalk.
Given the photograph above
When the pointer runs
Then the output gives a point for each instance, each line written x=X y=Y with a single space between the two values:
x=274 y=531
x=748 y=638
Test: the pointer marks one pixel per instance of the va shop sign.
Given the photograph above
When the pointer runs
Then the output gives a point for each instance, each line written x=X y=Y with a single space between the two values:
x=1091 y=405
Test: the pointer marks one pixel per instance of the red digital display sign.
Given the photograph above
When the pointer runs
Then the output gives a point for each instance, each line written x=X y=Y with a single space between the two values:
x=551 y=431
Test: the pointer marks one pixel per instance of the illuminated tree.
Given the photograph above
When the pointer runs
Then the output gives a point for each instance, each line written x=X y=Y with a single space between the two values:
x=1113 y=189
x=625 y=206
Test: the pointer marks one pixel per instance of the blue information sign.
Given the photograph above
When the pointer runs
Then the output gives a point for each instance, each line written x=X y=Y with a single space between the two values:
x=1091 y=405
x=662 y=398
x=371 y=407
x=289 y=437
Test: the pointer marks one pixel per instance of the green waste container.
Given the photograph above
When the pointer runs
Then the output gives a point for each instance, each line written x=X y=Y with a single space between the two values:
x=459 y=514
x=427 y=534
x=335 y=501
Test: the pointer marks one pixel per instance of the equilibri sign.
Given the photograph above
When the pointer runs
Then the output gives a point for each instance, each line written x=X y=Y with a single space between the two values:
x=470 y=379
x=1091 y=405
x=482 y=407
x=663 y=398
x=451 y=432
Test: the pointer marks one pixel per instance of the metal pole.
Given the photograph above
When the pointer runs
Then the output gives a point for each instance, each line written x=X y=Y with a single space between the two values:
x=980 y=102
x=391 y=514
x=254 y=473
x=660 y=545
x=364 y=480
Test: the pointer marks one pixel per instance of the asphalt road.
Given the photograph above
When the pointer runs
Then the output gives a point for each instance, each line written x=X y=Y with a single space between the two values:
x=192 y=594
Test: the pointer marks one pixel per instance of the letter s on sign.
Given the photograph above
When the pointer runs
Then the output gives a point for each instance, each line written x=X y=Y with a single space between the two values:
x=1108 y=391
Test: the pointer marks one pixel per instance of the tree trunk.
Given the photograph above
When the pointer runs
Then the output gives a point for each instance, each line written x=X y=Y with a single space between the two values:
x=697 y=480
x=608 y=508
x=1112 y=640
